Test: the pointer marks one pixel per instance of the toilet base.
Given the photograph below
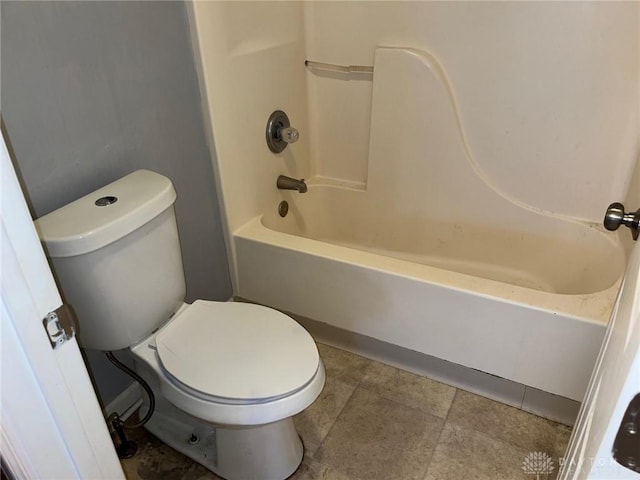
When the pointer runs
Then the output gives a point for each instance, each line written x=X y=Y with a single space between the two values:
x=264 y=452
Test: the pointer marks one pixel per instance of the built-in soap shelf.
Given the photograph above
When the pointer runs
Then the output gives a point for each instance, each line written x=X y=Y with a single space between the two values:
x=331 y=67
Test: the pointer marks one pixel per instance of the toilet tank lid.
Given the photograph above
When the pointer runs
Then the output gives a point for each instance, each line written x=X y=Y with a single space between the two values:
x=106 y=215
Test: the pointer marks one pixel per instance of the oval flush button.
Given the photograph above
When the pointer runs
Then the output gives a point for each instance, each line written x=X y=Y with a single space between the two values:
x=104 y=201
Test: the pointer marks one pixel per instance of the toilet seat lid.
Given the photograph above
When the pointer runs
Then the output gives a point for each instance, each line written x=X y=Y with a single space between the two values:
x=237 y=351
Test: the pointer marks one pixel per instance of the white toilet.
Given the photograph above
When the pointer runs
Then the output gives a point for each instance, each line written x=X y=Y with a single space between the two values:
x=227 y=377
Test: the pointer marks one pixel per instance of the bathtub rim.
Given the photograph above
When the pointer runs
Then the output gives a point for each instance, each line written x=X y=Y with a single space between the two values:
x=303 y=208
x=594 y=308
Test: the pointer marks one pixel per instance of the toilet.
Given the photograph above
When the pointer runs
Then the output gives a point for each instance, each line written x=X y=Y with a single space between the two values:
x=227 y=376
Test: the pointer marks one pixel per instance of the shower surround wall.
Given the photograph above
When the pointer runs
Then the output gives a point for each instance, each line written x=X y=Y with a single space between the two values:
x=547 y=91
x=251 y=56
x=524 y=122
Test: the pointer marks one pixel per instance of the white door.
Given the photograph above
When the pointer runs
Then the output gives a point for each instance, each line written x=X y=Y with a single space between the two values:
x=51 y=422
x=614 y=383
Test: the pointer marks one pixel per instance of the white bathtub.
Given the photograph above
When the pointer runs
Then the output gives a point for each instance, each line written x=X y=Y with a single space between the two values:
x=525 y=307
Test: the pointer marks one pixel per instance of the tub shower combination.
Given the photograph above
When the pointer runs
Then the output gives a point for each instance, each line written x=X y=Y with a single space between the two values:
x=439 y=261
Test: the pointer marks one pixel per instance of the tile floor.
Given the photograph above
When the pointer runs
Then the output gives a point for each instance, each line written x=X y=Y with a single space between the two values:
x=373 y=422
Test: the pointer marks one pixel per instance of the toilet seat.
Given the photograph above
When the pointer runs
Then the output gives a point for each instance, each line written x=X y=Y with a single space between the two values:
x=214 y=409
x=236 y=352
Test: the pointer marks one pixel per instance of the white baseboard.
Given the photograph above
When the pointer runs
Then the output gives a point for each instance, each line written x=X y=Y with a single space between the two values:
x=126 y=403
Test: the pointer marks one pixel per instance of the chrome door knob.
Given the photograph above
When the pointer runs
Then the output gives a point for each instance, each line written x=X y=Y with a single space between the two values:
x=616 y=216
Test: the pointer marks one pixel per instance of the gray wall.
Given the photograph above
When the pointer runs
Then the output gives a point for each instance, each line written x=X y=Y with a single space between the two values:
x=91 y=91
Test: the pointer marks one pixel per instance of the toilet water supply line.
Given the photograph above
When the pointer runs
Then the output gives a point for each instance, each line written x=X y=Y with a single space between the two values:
x=127 y=448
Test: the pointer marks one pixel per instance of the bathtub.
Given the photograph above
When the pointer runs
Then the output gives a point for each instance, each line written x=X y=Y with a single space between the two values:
x=429 y=251
x=522 y=306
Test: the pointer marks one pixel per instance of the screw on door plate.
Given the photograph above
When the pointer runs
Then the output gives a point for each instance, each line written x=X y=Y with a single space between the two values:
x=625 y=447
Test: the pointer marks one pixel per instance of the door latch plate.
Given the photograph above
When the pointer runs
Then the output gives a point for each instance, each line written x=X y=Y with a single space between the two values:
x=59 y=326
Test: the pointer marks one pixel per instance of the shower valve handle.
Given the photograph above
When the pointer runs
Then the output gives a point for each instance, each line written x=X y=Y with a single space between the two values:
x=289 y=134
x=279 y=132
x=616 y=216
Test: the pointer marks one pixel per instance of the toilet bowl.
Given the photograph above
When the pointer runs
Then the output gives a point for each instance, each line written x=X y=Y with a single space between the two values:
x=228 y=377
x=212 y=392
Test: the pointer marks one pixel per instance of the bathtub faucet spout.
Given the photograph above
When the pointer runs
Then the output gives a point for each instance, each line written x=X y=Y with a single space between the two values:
x=288 y=183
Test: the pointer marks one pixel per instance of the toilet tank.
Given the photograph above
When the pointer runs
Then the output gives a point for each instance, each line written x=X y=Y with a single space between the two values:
x=116 y=256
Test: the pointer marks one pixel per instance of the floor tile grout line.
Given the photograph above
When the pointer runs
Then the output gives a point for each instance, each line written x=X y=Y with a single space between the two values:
x=341 y=410
x=444 y=424
x=400 y=404
x=444 y=420
x=359 y=385
x=503 y=441
x=335 y=420
x=371 y=390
